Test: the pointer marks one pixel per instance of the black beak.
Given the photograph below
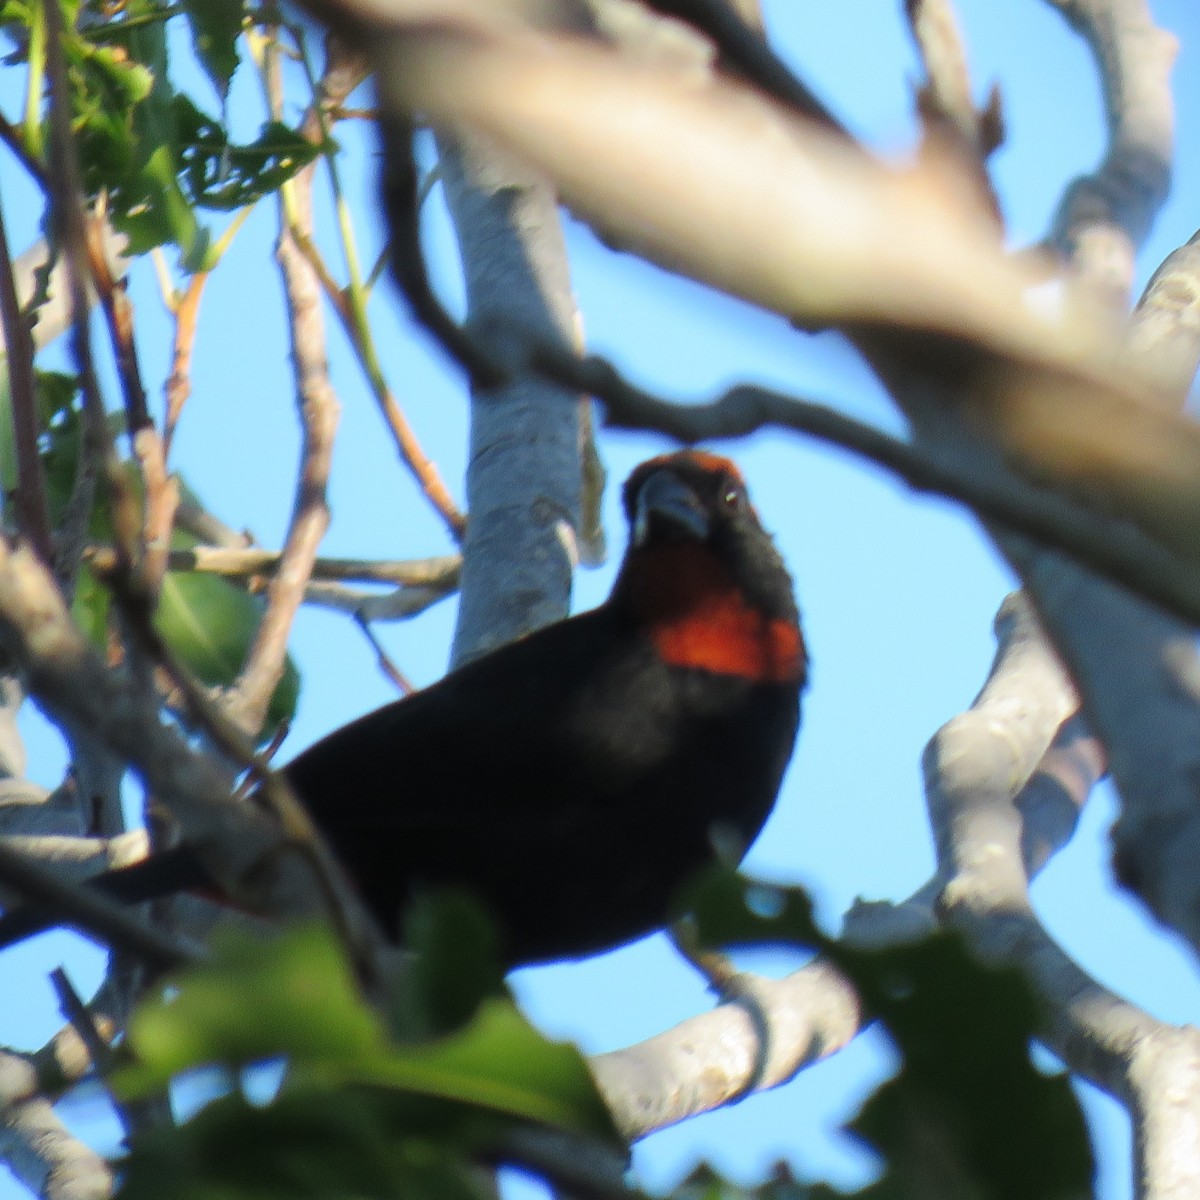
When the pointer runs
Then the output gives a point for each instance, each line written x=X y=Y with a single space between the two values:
x=666 y=505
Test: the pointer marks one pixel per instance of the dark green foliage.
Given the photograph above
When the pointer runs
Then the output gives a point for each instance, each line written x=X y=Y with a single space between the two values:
x=142 y=143
x=968 y=1116
x=215 y=26
x=221 y=175
x=705 y=1184
x=455 y=967
x=358 y=1113
x=308 y=1143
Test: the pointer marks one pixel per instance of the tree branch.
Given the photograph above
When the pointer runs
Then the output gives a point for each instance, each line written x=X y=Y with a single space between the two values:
x=32 y=510
x=90 y=912
x=953 y=469
x=1103 y=217
x=712 y=1059
x=524 y=475
x=318 y=409
x=49 y=1160
x=974 y=767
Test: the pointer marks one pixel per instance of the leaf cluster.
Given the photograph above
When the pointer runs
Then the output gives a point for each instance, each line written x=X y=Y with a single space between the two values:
x=407 y=1103
x=145 y=145
x=207 y=622
x=968 y=1116
x=379 y=1106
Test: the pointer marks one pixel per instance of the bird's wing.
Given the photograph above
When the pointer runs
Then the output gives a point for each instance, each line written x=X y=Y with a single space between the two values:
x=504 y=735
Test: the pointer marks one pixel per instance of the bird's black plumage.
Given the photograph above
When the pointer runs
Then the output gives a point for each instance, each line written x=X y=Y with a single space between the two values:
x=574 y=779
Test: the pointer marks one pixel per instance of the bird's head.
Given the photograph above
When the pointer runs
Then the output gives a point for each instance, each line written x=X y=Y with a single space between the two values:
x=701 y=573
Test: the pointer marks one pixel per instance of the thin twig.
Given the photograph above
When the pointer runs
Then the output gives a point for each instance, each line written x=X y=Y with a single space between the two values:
x=400 y=604
x=118 y=313
x=946 y=98
x=179 y=382
x=96 y=452
x=945 y=103
x=403 y=684
x=402 y=191
x=32 y=508
x=11 y=137
x=408 y=445
x=90 y=912
x=318 y=409
x=1117 y=549
x=81 y=1019
x=160 y=493
x=744 y=49
x=344 y=70
x=249 y=561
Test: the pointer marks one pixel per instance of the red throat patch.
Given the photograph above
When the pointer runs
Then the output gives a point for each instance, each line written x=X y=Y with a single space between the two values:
x=698 y=617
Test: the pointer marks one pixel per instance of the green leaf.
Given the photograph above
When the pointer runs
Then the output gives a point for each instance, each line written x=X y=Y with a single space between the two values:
x=216 y=25
x=54 y=394
x=501 y=1063
x=969 y=1116
x=128 y=140
x=220 y=174
x=455 y=966
x=291 y=995
x=730 y=909
x=210 y=625
x=307 y=1143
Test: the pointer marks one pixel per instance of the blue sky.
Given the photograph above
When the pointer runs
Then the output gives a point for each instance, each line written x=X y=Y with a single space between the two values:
x=897 y=591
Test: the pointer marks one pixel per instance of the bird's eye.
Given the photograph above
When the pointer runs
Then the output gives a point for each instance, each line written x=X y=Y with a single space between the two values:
x=731 y=497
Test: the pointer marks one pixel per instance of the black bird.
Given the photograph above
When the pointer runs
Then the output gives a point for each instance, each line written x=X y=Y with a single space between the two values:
x=574 y=779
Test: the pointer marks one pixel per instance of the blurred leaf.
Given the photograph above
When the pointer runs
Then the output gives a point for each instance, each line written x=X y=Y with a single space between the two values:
x=128 y=140
x=730 y=909
x=54 y=393
x=968 y=1117
x=455 y=966
x=291 y=995
x=310 y=1143
x=222 y=175
x=216 y=25
x=704 y=1183
x=501 y=1063
x=210 y=624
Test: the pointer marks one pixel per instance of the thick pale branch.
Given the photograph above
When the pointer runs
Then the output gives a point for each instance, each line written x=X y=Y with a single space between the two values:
x=524 y=476
x=715 y=1058
x=906 y=260
x=38 y=1148
x=1103 y=217
x=974 y=768
x=1165 y=339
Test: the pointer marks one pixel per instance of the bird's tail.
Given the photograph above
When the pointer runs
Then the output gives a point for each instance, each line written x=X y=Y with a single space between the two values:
x=162 y=874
